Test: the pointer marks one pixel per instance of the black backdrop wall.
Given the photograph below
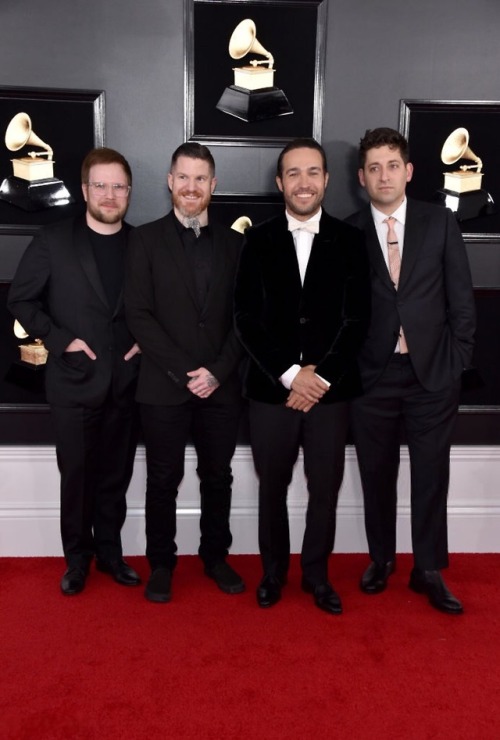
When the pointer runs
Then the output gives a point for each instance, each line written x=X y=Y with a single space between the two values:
x=376 y=54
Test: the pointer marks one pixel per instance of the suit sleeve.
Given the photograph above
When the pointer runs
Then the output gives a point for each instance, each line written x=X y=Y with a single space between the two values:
x=139 y=294
x=355 y=312
x=459 y=292
x=231 y=351
x=27 y=297
x=265 y=349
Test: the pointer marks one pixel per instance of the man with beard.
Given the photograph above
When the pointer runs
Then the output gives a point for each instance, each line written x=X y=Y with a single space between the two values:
x=302 y=305
x=178 y=296
x=67 y=291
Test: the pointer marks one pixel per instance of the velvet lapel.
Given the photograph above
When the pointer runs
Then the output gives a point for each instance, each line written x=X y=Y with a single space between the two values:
x=176 y=251
x=83 y=249
x=323 y=240
x=282 y=248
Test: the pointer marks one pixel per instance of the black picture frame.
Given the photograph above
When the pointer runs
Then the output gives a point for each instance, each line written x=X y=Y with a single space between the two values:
x=427 y=124
x=294 y=31
x=72 y=123
x=258 y=208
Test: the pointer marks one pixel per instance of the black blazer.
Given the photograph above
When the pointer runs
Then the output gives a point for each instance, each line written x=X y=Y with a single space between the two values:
x=282 y=323
x=175 y=333
x=434 y=303
x=57 y=295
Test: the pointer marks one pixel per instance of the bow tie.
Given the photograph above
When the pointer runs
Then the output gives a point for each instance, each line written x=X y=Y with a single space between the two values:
x=311 y=226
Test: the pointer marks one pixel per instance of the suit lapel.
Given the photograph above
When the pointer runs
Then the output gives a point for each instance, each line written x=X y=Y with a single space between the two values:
x=282 y=246
x=374 y=250
x=85 y=254
x=219 y=264
x=415 y=228
x=178 y=255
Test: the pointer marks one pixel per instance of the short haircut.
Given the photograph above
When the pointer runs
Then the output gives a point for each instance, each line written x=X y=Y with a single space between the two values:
x=377 y=137
x=304 y=143
x=194 y=151
x=104 y=155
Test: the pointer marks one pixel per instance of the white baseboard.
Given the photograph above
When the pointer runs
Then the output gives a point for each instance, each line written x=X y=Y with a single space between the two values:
x=29 y=504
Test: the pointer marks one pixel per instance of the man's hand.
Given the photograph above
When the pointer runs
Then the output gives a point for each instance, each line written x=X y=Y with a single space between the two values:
x=202 y=382
x=134 y=350
x=298 y=403
x=308 y=385
x=78 y=345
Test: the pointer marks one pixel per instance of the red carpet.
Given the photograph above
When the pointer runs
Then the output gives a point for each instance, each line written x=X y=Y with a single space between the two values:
x=108 y=664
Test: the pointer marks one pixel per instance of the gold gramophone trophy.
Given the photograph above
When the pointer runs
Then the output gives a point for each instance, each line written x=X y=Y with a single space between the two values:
x=33 y=186
x=253 y=97
x=462 y=191
x=34 y=353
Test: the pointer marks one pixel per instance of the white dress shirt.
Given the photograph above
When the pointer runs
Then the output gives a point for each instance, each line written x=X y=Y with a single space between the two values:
x=303 y=241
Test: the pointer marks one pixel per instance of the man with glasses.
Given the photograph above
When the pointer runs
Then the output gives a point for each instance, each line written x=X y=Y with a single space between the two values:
x=67 y=291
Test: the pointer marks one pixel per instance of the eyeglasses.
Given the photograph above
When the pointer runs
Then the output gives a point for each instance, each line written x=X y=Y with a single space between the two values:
x=117 y=188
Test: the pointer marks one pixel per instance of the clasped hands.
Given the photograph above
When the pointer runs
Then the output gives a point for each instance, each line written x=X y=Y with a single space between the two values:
x=202 y=383
x=306 y=390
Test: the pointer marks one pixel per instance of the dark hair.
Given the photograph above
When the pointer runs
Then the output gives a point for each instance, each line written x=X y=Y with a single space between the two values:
x=304 y=143
x=104 y=155
x=194 y=151
x=377 y=137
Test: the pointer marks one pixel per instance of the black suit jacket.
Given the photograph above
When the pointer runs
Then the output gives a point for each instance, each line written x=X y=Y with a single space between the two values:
x=175 y=333
x=282 y=323
x=434 y=302
x=57 y=296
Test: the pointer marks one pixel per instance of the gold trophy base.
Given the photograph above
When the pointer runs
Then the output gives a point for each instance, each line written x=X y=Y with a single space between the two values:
x=33 y=353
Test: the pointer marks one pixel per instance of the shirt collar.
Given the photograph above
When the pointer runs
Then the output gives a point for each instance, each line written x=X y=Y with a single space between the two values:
x=399 y=214
x=316 y=217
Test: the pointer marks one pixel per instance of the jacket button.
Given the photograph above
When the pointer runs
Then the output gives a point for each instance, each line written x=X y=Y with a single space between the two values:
x=302 y=320
x=201 y=324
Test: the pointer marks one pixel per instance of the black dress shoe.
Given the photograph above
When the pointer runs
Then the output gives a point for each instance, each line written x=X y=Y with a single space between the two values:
x=431 y=583
x=374 y=579
x=268 y=592
x=73 y=581
x=225 y=577
x=120 y=571
x=325 y=597
x=159 y=585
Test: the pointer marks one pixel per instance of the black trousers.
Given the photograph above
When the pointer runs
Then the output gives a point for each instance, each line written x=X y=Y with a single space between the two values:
x=213 y=428
x=95 y=454
x=277 y=433
x=428 y=418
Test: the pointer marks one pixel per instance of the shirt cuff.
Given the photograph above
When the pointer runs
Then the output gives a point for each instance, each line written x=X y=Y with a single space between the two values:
x=289 y=376
x=323 y=379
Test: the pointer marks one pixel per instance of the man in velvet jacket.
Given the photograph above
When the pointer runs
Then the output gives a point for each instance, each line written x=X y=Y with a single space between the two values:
x=301 y=308
x=179 y=300
x=419 y=341
x=68 y=291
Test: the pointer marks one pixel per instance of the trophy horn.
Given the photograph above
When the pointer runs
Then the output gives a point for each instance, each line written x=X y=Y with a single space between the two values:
x=20 y=132
x=457 y=147
x=244 y=40
x=242 y=224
